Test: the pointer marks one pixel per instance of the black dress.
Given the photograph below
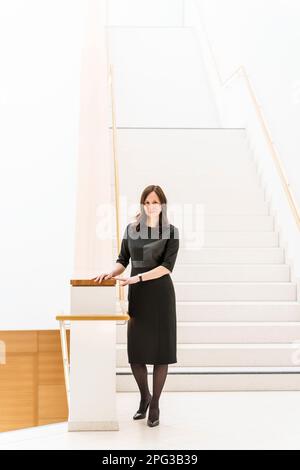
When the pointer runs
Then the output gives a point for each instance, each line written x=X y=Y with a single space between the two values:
x=151 y=329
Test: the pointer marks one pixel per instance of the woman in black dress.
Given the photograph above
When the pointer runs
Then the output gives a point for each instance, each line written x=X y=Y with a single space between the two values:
x=152 y=243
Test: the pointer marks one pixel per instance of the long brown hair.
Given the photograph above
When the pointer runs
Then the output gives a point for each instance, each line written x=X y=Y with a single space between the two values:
x=142 y=216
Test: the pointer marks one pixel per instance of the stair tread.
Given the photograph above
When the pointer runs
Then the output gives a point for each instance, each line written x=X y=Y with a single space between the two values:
x=233 y=369
x=284 y=283
x=234 y=247
x=240 y=265
x=238 y=302
x=228 y=345
x=230 y=324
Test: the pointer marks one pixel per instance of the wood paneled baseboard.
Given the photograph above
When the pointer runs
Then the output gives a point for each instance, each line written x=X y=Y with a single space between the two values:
x=32 y=388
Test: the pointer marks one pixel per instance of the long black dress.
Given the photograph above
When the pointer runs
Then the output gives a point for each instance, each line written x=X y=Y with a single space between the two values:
x=151 y=329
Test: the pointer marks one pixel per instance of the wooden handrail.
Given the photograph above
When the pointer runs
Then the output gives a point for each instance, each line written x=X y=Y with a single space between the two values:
x=110 y=76
x=90 y=282
x=274 y=152
x=92 y=317
x=116 y=169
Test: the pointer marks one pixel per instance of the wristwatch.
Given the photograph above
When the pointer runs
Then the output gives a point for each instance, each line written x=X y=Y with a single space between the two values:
x=140 y=277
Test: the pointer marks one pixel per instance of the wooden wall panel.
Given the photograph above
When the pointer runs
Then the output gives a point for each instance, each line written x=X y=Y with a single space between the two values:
x=20 y=341
x=49 y=341
x=52 y=408
x=32 y=388
x=17 y=392
x=50 y=369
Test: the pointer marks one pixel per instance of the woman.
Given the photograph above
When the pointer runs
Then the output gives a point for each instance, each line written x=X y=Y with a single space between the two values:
x=152 y=244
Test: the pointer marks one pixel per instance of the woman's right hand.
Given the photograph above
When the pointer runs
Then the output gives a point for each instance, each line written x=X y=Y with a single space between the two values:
x=102 y=277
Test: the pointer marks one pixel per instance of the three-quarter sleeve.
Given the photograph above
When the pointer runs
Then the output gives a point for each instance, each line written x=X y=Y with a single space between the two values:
x=124 y=254
x=171 y=250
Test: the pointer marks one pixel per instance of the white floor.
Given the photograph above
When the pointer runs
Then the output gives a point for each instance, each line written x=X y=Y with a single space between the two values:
x=193 y=420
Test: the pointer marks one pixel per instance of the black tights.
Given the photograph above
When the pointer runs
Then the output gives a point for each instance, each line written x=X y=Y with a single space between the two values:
x=140 y=373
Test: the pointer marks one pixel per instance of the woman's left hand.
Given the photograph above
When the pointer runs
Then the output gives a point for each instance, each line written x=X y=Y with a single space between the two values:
x=127 y=280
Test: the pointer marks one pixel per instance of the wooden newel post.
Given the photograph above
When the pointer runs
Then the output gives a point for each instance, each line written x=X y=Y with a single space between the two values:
x=90 y=376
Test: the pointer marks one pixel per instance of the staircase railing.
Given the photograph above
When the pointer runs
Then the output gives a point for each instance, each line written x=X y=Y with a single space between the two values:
x=242 y=72
x=110 y=76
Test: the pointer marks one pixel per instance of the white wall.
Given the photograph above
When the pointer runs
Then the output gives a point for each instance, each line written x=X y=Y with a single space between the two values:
x=39 y=98
x=160 y=80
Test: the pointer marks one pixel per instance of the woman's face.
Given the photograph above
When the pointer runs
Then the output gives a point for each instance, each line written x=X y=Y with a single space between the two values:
x=152 y=205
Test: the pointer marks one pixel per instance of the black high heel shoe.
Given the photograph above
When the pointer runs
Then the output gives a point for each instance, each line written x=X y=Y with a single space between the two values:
x=152 y=423
x=141 y=412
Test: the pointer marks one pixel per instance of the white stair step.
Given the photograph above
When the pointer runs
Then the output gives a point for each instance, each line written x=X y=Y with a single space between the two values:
x=237 y=332
x=205 y=194
x=235 y=222
x=249 y=184
x=208 y=185
x=220 y=291
x=238 y=255
x=231 y=272
x=162 y=144
x=239 y=207
x=215 y=166
x=224 y=161
x=240 y=239
x=197 y=379
x=230 y=332
x=237 y=311
x=235 y=179
x=226 y=355
x=175 y=370
x=208 y=170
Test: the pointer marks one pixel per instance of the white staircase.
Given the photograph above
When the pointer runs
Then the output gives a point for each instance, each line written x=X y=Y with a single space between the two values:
x=238 y=317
